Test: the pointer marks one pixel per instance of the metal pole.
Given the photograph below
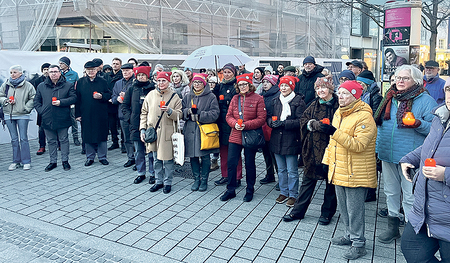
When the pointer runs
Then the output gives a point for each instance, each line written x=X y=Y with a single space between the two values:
x=161 y=28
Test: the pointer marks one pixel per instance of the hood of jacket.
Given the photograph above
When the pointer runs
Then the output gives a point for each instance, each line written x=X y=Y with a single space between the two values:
x=317 y=69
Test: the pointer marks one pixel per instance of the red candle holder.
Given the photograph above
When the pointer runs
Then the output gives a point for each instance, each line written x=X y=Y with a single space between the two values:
x=274 y=118
x=162 y=103
x=54 y=98
x=221 y=97
x=240 y=121
x=95 y=92
x=121 y=97
x=430 y=162
x=325 y=121
x=11 y=97
x=194 y=106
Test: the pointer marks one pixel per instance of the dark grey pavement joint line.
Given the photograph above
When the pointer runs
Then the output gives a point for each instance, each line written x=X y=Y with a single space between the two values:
x=98 y=208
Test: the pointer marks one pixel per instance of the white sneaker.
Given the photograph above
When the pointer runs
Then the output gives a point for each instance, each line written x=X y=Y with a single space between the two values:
x=27 y=166
x=13 y=166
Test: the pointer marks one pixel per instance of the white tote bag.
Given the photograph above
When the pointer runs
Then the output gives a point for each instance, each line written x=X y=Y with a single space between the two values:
x=178 y=144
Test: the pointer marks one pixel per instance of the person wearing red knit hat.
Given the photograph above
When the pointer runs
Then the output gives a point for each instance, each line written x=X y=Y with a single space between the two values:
x=132 y=104
x=251 y=116
x=289 y=80
x=161 y=103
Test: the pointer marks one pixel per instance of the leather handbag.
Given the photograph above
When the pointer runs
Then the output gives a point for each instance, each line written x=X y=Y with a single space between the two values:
x=150 y=132
x=251 y=138
x=209 y=136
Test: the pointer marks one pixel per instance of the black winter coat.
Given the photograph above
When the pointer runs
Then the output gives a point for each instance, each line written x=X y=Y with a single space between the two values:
x=228 y=91
x=285 y=140
x=306 y=84
x=121 y=86
x=269 y=96
x=315 y=143
x=132 y=104
x=93 y=112
x=55 y=117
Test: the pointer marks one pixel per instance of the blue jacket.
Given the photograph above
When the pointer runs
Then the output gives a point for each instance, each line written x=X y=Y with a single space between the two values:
x=433 y=195
x=436 y=88
x=71 y=76
x=121 y=85
x=394 y=142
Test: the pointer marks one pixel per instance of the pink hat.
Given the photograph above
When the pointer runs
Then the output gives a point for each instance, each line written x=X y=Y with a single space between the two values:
x=353 y=87
x=201 y=77
x=273 y=79
x=164 y=75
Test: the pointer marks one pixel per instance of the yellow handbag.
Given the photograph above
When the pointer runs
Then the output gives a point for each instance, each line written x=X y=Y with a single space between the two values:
x=209 y=136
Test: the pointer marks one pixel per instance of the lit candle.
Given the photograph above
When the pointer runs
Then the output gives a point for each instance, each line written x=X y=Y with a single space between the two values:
x=325 y=121
x=240 y=121
x=274 y=118
x=194 y=106
x=11 y=97
x=430 y=162
x=162 y=103
x=95 y=92
x=54 y=98
x=409 y=119
x=221 y=97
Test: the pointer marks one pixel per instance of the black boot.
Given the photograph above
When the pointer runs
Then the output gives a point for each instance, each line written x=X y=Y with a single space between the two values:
x=392 y=232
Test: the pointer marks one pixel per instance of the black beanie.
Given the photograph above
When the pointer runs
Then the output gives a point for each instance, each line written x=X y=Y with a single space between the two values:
x=45 y=65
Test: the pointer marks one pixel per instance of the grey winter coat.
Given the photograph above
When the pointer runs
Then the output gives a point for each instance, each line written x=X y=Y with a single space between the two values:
x=432 y=198
x=208 y=112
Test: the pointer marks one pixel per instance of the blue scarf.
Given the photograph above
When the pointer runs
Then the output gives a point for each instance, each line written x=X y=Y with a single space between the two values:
x=16 y=82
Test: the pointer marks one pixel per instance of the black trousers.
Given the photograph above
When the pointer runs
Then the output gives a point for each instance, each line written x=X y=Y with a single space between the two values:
x=113 y=123
x=304 y=199
x=269 y=159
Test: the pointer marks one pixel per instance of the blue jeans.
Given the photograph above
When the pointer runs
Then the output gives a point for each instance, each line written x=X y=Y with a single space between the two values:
x=396 y=187
x=287 y=174
x=21 y=151
x=139 y=157
x=421 y=248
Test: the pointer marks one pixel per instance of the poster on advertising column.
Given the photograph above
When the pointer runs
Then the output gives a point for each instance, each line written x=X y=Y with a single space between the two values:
x=396 y=39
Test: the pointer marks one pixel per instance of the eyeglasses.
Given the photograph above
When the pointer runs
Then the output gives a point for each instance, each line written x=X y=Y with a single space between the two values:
x=242 y=85
x=212 y=83
x=196 y=82
x=54 y=72
x=404 y=79
x=91 y=69
x=343 y=79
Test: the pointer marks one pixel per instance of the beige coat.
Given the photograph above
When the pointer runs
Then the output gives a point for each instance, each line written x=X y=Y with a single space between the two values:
x=150 y=113
x=350 y=154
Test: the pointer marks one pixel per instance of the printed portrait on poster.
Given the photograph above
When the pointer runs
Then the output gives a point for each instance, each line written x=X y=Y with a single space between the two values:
x=394 y=57
x=414 y=55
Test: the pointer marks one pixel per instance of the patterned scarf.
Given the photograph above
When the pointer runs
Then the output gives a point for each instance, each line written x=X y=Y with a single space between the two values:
x=405 y=97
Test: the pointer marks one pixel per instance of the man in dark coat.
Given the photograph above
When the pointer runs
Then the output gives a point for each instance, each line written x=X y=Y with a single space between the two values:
x=131 y=110
x=35 y=82
x=52 y=102
x=113 y=117
x=310 y=73
x=117 y=97
x=92 y=111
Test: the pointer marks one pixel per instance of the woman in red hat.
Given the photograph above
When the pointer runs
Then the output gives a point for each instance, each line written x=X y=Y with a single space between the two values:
x=161 y=102
x=252 y=116
x=284 y=119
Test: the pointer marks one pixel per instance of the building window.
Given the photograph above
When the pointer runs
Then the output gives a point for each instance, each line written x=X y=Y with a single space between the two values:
x=441 y=44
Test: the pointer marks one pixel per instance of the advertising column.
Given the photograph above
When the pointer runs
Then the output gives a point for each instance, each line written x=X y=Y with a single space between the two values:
x=401 y=41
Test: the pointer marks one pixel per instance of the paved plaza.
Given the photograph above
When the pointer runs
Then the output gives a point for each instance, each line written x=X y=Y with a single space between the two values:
x=97 y=214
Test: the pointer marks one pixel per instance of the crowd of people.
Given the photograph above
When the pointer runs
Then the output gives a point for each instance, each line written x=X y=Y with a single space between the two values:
x=345 y=134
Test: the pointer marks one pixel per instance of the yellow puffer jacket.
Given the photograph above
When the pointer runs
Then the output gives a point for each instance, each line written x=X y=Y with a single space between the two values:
x=350 y=154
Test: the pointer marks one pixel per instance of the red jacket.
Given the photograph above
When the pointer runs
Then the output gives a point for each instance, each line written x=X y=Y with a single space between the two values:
x=254 y=114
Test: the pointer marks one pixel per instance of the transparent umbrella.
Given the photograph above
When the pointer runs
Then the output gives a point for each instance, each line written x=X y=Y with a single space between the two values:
x=215 y=56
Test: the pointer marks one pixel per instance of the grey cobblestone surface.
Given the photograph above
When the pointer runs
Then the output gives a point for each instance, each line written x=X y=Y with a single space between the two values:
x=97 y=214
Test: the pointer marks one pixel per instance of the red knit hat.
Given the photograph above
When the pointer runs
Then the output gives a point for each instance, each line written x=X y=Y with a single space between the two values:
x=200 y=77
x=290 y=80
x=143 y=69
x=164 y=75
x=353 y=87
x=248 y=77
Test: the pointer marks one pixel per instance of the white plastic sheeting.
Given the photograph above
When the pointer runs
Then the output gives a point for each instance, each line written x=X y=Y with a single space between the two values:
x=25 y=25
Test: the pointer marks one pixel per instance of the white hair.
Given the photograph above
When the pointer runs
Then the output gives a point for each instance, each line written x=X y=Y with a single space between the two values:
x=16 y=67
x=415 y=73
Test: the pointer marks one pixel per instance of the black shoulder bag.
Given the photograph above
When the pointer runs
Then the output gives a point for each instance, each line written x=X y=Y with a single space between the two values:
x=251 y=138
x=150 y=133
